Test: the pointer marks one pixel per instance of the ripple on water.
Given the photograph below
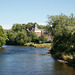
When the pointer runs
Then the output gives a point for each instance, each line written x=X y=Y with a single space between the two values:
x=20 y=60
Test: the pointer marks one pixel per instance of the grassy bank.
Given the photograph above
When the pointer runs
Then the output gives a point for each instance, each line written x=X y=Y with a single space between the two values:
x=67 y=58
x=38 y=45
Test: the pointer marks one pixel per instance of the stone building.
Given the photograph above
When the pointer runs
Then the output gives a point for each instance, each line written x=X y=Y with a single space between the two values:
x=39 y=32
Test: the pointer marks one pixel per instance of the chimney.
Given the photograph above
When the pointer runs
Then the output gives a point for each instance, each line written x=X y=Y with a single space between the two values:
x=35 y=25
x=42 y=33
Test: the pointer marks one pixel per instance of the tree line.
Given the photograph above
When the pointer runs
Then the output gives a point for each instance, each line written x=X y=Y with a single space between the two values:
x=18 y=35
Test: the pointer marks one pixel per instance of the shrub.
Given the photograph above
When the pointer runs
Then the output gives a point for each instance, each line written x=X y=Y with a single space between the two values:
x=42 y=39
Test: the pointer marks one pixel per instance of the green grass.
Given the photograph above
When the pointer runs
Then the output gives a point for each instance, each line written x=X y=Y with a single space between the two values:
x=38 y=45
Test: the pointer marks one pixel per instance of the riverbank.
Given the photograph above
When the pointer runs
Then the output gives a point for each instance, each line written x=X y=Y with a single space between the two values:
x=66 y=59
x=66 y=62
x=38 y=45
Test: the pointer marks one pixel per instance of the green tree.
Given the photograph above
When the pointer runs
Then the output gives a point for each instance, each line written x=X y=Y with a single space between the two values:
x=3 y=36
x=43 y=39
x=22 y=38
x=29 y=25
x=64 y=41
x=48 y=28
x=40 y=26
x=24 y=26
x=33 y=36
x=17 y=27
x=11 y=35
x=63 y=30
x=61 y=20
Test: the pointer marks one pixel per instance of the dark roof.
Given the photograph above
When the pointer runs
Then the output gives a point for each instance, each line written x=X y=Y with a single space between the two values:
x=33 y=27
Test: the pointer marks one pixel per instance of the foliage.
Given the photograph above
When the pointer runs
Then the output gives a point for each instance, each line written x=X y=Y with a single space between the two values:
x=22 y=38
x=17 y=38
x=29 y=25
x=29 y=44
x=42 y=45
x=11 y=37
x=17 y=27
x=63 y=30
x=40 y=26
x=2 y=36
x=18 y=35
x=42 y=39
x=33 y=36
x=48 y=28
x=38 y=45
x=61 y=20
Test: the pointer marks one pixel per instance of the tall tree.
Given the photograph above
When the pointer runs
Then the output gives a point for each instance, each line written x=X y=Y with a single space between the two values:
x=3 y=36
x=22 y=38
x=17 y=27
x=33 y=36
x=61 y=20
x=29 y=25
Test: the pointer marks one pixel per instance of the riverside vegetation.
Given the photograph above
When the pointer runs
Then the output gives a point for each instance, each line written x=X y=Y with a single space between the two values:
x=19 y=35
x=3 y=37
x=38 y=45
x=63 y=30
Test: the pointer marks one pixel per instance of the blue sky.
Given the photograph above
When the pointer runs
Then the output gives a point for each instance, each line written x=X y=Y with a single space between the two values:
x=24 y=11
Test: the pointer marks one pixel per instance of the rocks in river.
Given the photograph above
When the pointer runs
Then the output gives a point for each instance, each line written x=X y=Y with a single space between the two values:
x=62 y=61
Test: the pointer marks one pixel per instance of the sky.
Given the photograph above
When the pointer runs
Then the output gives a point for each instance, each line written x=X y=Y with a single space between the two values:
x=24 y=11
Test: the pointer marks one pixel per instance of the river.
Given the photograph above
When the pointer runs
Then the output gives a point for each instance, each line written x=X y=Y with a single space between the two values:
x=20 y=60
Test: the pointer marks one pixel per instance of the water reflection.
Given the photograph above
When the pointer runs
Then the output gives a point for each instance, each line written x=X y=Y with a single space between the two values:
x=19 y=60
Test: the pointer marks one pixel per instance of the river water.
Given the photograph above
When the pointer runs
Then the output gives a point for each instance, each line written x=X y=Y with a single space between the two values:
x=20 y=60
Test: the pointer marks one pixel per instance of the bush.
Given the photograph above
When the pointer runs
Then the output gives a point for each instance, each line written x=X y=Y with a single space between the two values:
x=49 y=41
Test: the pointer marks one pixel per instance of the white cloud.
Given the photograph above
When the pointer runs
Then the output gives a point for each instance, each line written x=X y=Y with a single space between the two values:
x=7 y=26
x=42 y=24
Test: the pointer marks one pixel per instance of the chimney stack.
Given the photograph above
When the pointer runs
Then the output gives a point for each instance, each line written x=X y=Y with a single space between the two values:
x=35 y=25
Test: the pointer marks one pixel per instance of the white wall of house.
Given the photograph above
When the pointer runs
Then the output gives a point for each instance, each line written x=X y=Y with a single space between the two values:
x=37 y=31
